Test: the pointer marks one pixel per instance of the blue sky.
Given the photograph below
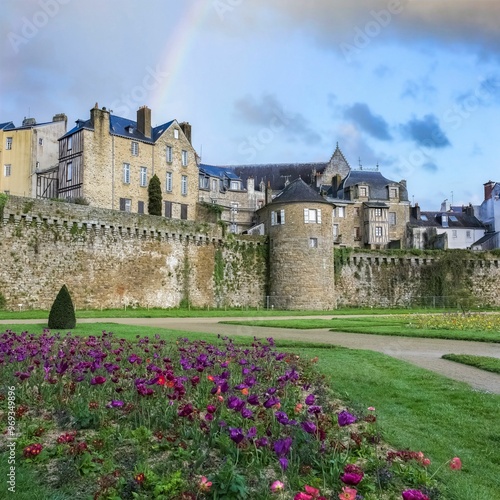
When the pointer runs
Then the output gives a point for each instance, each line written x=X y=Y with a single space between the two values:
x=410 y=85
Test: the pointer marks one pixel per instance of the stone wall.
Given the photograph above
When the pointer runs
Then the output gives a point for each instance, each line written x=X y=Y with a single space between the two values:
x=110 y=259
x=451 y=278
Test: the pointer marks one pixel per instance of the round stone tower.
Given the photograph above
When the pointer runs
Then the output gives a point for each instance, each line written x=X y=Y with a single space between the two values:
x=299 y=224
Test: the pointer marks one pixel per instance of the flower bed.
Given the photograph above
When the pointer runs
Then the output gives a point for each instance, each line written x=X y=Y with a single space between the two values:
x=193 y=419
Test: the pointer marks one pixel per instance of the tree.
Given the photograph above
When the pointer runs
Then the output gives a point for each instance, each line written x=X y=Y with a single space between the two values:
x=62 y=312
x=154 y=195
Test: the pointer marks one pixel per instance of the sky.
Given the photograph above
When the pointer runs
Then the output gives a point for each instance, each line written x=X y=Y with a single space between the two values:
x=412 y=86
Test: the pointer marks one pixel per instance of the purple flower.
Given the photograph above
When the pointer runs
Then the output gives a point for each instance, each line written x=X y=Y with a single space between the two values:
x=283 y=463
x=346 y=418
x=309 y=427
x=282 y=446
x=253 y=399
x=235 y=403
x=116 y=403
x=271 y=401
x=236 y=434
x=252 y=432
x=282 y=417
x=310 y=399
x=98 y=380
x=134 y=359
x=186 y=410
x=261 y=442
x=246 y=413
x=315 y=409
x=414 y=495
x=351 y=478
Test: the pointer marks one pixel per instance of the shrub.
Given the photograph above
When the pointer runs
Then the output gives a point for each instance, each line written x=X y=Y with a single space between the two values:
x=3 y=301
x=62 y=312
x=154 y=196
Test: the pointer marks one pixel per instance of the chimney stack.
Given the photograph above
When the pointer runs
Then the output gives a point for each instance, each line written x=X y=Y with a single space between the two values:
x=186 y=129
x=144 y=121
x=488 y=190
x=269 y=193
x=415 y=211
x=250 y=185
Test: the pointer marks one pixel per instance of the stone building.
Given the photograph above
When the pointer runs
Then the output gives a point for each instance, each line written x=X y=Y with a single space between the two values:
x=29 y=157
x=489 y=214
x=298 y=222
x=109 y=161
x=224 y=188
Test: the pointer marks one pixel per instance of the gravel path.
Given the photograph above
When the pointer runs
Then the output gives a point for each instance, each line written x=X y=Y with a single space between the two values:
x=425 y=353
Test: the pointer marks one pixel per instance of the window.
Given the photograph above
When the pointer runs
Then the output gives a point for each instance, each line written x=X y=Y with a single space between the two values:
x=312 y=216
x=357 y=233
x=125 y=204
x=168 y=209
x=40 y=141
x=235 y=185
x=233 y=228
x=184 y=158
x=363 y=191
x=215 y=185
x=277 y=217
x=356 y=211
x=176 y=133
x=378 y=212
x=454 y=233
x=424 y=218
x=126 y=173
x=144 y=176
x=140 y=207
x=313 y=242
x=234 y=208
x=168 y=185
x=184 y=211
x=392 y=218
x=169 y=154
x=204 y=182
x=69 y=171
x=378 y=231
x=184 y=185
x=70 y=143
x=393 y=192
x=340 y=211
x=9 y=143
x=468 y=234
x=135 y=148
x=335 y=231
x=453 y=218
x=7 y=170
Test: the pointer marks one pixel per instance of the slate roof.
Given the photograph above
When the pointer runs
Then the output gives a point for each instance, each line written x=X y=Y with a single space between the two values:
x=485 y=238
x=214 y=171
x=375 y=181
x=278 y=173
x=434 y=219
x=118 y=126
x=6 y=126
x=298 y=191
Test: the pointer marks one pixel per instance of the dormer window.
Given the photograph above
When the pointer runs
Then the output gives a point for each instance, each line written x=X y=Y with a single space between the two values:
x=235 y=185
x=363 y=191
x=393 y=192
x=129 y=129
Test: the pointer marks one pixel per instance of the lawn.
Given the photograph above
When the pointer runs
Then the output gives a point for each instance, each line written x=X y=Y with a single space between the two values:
x=415 y=410
x=483 y=362
x=399 y=325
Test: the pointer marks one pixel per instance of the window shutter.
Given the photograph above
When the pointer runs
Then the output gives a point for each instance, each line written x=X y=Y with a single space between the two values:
x=273 y=218
x=282 y=216
x=319 y=215
x=122 y=204
x=306 y=216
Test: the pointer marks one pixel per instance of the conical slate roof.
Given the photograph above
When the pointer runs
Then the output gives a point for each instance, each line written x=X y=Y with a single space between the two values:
x=298 y=191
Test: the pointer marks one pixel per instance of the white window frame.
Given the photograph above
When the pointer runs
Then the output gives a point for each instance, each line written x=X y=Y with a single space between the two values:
x=176 y=133
x=126 y=173
x=312 y=215
x=168 y=182
x=378 y=232
x=168 y=154
x=377 y=212
x=454 y=233
x=341 y=212
x=215 y=185
x=134 y=148
x=144 y=177
x=184 y=156
x=235 y=185
x=184 y=185
x=392 y=218
x=335 y=230
x=313 y=242
x=278 y=217
x=69 y=171
x=8 y=143
x=7 y=170
x=363 y=191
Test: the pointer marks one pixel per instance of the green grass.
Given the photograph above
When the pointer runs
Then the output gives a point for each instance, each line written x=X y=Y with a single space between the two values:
x=416 y=409
x=482 y=362
x=210 y=313
x=388 y=325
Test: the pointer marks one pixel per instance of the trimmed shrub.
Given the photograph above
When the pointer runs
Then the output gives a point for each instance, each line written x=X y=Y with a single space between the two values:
x=62 y=312
x=154 y=196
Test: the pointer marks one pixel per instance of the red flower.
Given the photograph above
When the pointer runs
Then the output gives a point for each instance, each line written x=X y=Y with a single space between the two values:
x=455 y=463
x=139 y=478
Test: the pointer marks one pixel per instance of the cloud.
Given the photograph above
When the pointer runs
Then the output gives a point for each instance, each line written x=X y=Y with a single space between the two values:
x=269 y=113
x=487 y=92
x=430 y=166
x=373 y=125
x=419 y=90
x=425 y=132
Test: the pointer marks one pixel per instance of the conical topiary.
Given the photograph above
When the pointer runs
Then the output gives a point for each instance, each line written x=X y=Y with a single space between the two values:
x=154 y=196
x=62 y=312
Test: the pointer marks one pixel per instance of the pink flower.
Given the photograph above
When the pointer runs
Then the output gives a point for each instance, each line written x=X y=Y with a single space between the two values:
x=351 y=478
x=426 y=462
x=371 y=408
x=414 y=495
x=348 y=493
x=277 y=486
x=455 y=463
x=204 y=484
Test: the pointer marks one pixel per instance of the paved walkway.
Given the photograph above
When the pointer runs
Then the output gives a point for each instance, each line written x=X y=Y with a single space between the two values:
x=425 y=353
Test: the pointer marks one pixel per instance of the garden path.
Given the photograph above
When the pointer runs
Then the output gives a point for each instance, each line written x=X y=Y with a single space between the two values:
x=425 y=353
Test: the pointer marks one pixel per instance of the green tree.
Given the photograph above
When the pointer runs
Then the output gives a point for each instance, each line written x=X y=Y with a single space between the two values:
x=154 y=196
x=62 y=312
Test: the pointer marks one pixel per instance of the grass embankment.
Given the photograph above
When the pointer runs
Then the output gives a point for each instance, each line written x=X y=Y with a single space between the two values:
x=402 y=326
x=482 y=362
x=416 y=409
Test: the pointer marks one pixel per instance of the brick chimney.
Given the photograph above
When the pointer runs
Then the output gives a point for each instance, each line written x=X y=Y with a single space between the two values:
x=415 y=211
x=488 y=190
x=144 y=121
x=100 y=120
x=186 y=129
